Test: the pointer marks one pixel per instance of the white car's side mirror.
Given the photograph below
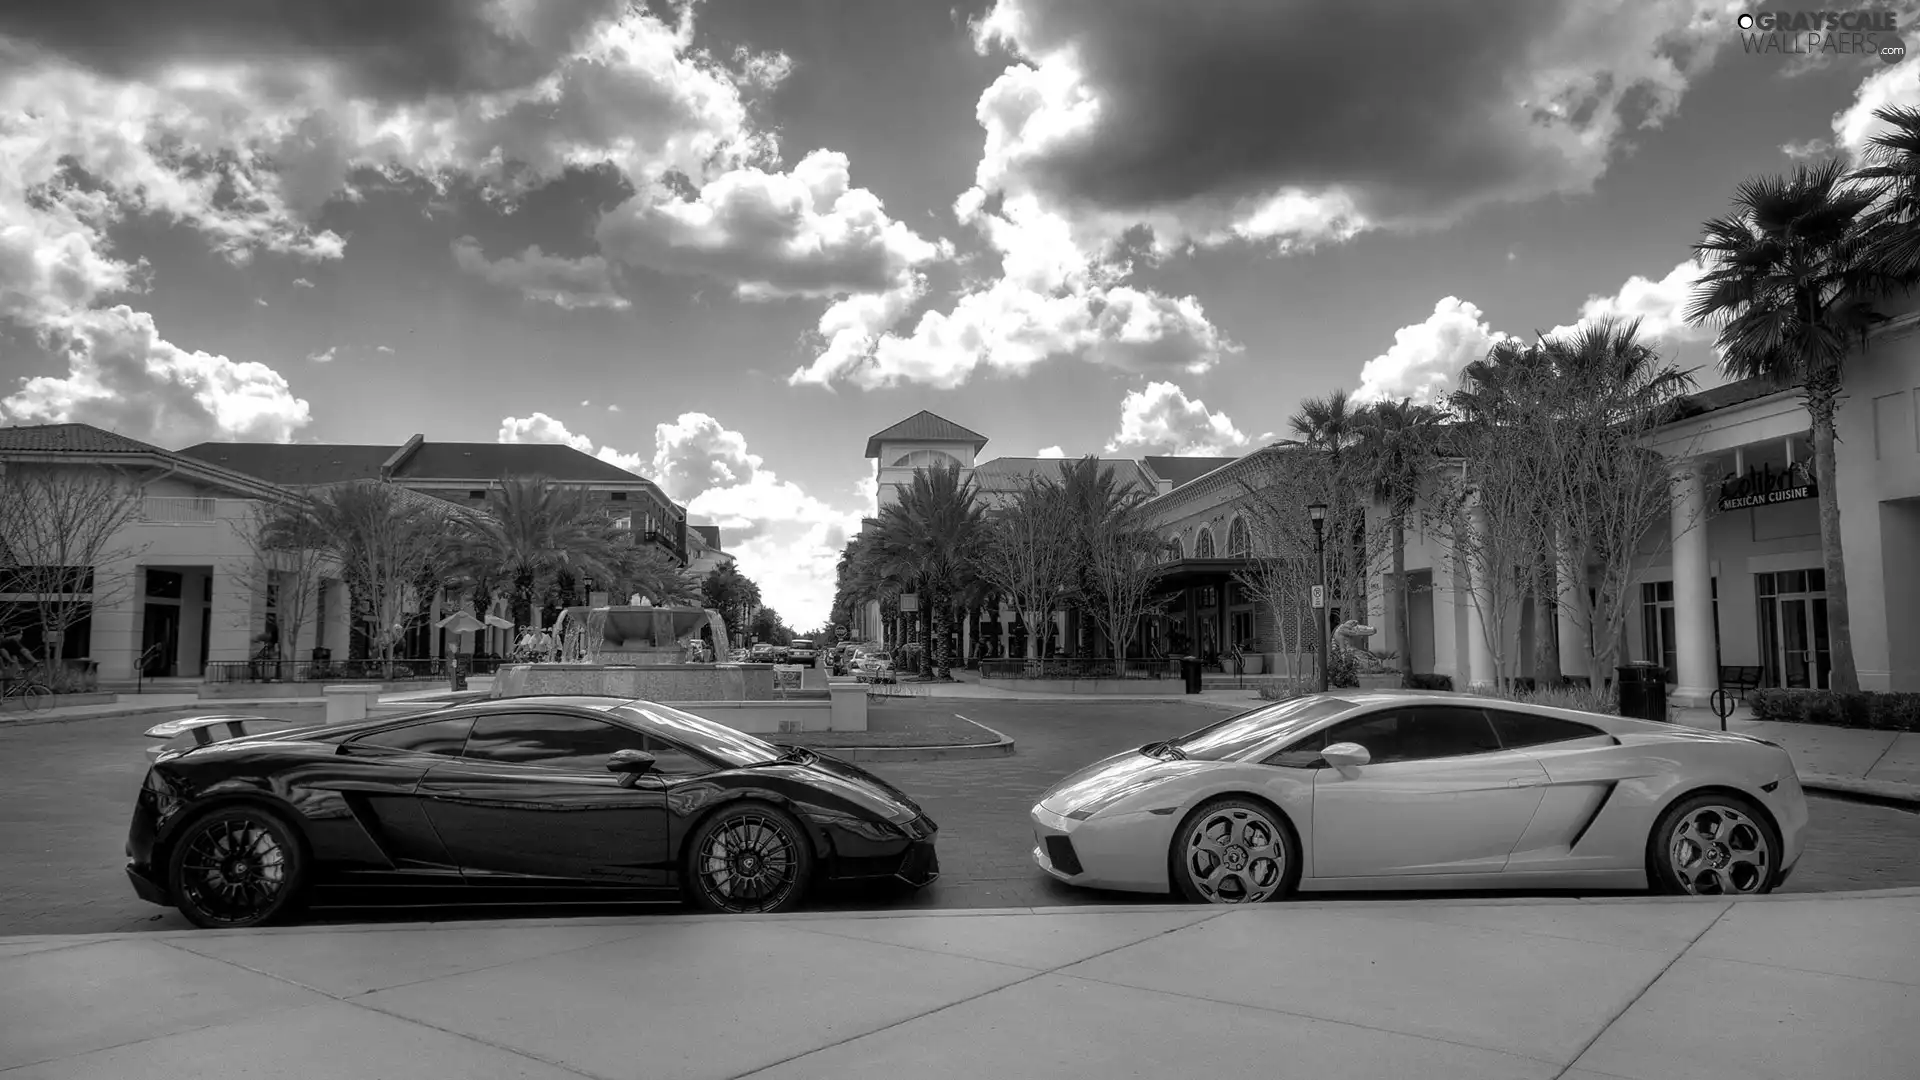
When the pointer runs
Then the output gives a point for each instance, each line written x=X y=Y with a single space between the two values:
x=1346 y=755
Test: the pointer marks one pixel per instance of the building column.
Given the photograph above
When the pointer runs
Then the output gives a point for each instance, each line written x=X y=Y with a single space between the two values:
x=1572 y=613
x=1480 y=666
x=1692 y=589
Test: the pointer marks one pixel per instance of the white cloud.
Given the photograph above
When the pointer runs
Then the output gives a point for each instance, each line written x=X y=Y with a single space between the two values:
x=383 y=348
x=122 y=376
x=1161 y=418
x=1050 y=452
x=1807 y=149
x=585 y=282
x=584 y=403
x=261 y=301
x=784 y=539
x=1134 y=114
x=806 y=232
x=1661 y=307
x=1050 y=300
x=325 y=356
x=1427 y=357
x=1891 y=86
x=613 y=408
x=244 y=147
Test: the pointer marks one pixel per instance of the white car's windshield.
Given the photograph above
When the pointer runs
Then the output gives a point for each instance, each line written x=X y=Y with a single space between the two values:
x=1237 y=734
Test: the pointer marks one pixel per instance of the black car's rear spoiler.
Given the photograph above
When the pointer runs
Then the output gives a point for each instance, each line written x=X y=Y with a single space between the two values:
x=207 y=730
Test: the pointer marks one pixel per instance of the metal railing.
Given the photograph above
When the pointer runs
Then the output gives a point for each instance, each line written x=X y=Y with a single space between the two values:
x=303 y=671
x=178 y=510
x=1078 y=668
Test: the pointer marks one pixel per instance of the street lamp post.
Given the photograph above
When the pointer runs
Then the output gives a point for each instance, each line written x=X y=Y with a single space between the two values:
x=1318 y=512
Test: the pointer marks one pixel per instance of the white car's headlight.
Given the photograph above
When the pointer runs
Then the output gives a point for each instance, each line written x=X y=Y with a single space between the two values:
x=1107 y=799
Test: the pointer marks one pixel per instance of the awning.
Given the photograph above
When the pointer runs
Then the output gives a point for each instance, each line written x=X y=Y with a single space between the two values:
x=1187 y=573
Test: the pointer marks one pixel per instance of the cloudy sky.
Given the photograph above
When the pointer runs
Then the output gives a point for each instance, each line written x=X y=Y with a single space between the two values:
x=721 y=244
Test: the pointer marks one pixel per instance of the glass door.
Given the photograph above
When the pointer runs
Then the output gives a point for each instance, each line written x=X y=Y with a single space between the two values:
x=1793 y=629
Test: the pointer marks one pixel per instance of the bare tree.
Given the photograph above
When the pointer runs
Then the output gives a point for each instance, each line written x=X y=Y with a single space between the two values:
x=1123 y=567
x=295 y=550
x=385 y=539
x=1491 y=520
x=1281 y=569
x=57 y=527
x=1028 y=554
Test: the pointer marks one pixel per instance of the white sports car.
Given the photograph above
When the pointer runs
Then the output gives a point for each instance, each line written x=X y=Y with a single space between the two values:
x=1427 y=791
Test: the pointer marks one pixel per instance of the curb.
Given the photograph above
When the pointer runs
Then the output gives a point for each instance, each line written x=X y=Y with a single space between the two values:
x=1215 y=910
x=152 y=710
x=1000 y=747
x=1905 y=796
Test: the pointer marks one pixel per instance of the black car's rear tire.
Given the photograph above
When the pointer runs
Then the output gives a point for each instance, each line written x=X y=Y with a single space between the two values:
x=237 y=866
x=746 y=858
x=1234 y=850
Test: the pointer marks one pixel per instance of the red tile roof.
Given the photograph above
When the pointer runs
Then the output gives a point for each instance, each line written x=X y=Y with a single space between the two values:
x=1182 y=471
x=71 y=439
x=924 y=426
x=298 y=464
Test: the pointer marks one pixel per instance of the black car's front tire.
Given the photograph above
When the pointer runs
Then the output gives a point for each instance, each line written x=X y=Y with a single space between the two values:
x=748 y=857
x=235 y=867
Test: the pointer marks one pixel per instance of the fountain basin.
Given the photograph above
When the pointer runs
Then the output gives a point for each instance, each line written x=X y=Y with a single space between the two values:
x=652 y=682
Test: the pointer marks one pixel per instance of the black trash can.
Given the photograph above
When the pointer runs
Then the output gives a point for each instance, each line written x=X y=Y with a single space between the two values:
x=1190 y=673
x=322 y=656
x=1643 y=690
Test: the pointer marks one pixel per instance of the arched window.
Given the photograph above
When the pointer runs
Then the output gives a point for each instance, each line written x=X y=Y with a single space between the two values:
x=1237 y=537
x=1204 y=549
x=926 y=459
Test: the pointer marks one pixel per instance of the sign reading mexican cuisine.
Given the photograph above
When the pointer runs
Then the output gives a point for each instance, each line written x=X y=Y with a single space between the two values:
x=1766 y=486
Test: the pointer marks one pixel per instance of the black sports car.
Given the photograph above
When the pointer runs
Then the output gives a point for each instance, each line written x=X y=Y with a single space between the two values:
x=560 y=798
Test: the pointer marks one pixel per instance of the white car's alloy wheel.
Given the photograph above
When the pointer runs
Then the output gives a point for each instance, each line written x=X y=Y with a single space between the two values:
x=1234 y=853
x=1716 y=849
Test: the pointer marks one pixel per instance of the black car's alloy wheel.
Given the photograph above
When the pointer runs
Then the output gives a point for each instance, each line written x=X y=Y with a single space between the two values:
x=236 y=867
x=748 y=858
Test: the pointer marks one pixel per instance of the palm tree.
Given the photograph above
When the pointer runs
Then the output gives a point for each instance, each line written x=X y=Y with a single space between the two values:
x=1331 y=425
x=734 y=595
x=1891 y=172
x=531 y=529
x=933 y=533
x=1790 y=288
x=1396 y=447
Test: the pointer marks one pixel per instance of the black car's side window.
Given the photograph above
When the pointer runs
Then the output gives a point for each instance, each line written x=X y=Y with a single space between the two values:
x=551 y=740
x=672 y=760
x=444 y=737
x=1519 y=730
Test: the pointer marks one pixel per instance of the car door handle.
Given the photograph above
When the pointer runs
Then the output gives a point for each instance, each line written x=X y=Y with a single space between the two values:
x=1527 y=781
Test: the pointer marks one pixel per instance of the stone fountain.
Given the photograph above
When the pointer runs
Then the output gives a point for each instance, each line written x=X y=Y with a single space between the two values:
x=638 y=651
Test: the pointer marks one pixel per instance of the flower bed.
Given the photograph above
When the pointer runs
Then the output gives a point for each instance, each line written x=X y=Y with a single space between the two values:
x=1895 y=711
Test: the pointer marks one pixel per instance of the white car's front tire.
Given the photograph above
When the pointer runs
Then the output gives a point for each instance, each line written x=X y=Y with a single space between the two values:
x=1234 y=850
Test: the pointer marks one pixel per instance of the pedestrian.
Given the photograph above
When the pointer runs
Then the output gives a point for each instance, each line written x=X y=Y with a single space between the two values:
x=15 y=660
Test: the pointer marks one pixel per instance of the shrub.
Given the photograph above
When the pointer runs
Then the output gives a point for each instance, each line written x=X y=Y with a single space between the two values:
x=1583 y=698
x=1430 y=682
x=1896 y=711
x=1343 y=667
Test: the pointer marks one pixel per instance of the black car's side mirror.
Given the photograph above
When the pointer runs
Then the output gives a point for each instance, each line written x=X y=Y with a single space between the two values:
x=630 y=762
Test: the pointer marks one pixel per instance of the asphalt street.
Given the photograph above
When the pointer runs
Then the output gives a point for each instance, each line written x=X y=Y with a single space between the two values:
x=69 y=787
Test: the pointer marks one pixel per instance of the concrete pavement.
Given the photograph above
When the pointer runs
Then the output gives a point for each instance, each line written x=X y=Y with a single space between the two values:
x=1688 y=989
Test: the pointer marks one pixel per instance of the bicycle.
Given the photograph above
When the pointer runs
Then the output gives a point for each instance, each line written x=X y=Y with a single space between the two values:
x=32 y=693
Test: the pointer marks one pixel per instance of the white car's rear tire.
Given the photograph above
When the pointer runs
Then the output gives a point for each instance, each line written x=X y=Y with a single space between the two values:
x=1713 y=844
x=1234 y=850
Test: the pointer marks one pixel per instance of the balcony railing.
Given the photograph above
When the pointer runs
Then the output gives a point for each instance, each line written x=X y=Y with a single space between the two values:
x=178 y=510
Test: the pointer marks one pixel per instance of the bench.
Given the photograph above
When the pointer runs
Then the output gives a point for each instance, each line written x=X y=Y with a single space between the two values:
x=1740 y=678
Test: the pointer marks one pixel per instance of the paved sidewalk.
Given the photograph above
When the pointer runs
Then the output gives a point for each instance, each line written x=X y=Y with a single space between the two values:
x=1881 y=764
x=1530 y=990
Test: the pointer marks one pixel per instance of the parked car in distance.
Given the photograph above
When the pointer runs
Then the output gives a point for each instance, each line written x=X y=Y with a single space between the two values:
x=455 y=804
x=762 y=653
x=874 y=666
x=802 y=652
x=1357 y=790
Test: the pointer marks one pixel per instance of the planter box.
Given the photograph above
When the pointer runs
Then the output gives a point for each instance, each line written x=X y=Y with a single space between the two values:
x=1380 y=682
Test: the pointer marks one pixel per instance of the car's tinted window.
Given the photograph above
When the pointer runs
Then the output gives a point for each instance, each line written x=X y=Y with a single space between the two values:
x=733 y=749
x=1407 y=733
x=553 y=740
x=1239 y=734
x=1518 y=730
x=671 y=760
x=432 y=737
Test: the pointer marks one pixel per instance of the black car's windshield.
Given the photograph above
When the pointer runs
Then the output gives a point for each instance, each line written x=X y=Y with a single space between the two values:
x=736 y=749
x=1237 y=734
